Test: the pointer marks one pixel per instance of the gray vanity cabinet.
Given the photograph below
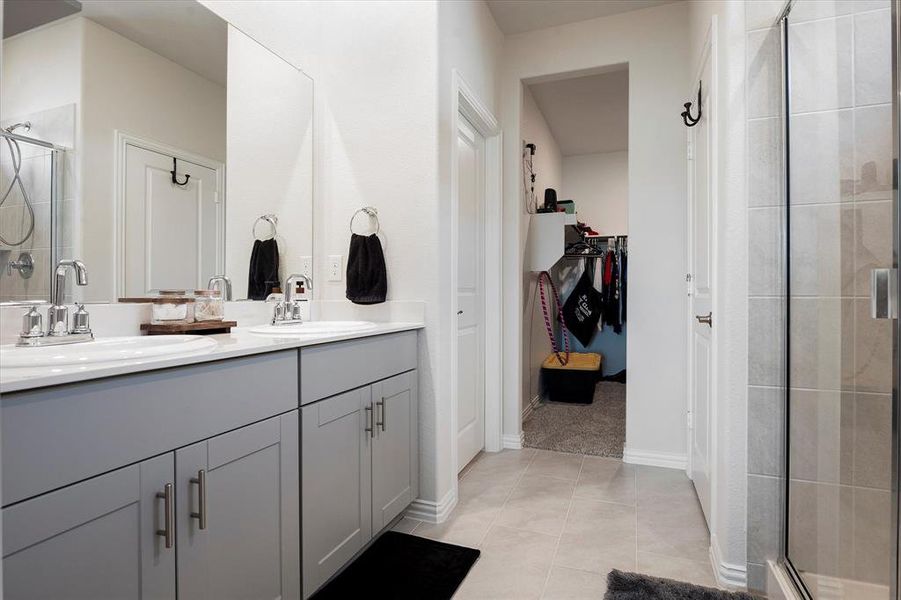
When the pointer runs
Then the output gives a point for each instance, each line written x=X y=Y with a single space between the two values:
x=395 y=453
x=238 y=514
x=104 y=538
x=335 y=478
x=359 y=470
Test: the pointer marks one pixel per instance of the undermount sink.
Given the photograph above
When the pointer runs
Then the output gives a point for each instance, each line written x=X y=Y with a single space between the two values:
x=104 y=350
x=315 y=328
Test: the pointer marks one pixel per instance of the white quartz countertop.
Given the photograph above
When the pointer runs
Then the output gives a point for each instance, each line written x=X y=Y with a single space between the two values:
x=240 y=342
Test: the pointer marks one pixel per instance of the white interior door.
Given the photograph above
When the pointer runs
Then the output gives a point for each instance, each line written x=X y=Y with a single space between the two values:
x=470 y=314
x=173 y=234
x=701 y=320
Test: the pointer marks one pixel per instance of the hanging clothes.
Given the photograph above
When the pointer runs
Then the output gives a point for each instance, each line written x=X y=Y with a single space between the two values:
x=624 y=278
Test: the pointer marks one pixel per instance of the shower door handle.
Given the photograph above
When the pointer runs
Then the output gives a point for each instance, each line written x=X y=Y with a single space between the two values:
x=884 y=293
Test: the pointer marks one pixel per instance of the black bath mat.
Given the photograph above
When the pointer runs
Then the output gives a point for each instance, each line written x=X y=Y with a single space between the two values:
x=635 y=586
x=399 y=566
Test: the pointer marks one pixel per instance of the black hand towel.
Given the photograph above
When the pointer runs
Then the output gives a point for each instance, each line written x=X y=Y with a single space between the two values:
x=367 y=277
x=263 y=276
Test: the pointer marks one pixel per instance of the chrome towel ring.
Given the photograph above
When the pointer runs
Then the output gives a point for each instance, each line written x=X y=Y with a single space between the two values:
x=373 y=214
x=273 y=224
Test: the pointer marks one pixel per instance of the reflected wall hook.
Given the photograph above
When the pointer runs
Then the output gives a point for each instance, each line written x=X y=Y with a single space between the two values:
x=174 y=178
x=686 y=114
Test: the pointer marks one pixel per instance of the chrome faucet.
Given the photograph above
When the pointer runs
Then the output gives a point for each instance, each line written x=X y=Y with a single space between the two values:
x=223 y=284
x=288 y=311
x=58 y=331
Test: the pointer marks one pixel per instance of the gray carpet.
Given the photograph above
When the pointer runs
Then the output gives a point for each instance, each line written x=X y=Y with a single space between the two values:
x=598 y=428
x=634 y=586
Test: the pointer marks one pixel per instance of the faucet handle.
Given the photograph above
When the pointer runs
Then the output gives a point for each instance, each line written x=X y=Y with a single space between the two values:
x=81 y=320
x=32 y=324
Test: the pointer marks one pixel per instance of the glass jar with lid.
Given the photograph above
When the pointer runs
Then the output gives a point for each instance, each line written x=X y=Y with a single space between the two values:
x=208 y=305
x=169 y=309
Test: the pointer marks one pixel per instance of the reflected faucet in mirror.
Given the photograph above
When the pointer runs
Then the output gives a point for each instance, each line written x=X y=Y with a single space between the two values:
x=287 y=312
x=58 y=331
x=222 y=283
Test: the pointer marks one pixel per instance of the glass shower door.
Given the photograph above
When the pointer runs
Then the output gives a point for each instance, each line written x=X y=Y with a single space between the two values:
x=840 y=534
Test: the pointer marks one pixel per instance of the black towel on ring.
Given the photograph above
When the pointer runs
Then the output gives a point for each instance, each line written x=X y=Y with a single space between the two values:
x=367 y=276
x=263 y=275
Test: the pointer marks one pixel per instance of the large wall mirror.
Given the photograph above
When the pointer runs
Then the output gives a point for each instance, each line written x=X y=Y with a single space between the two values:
x=153 y=141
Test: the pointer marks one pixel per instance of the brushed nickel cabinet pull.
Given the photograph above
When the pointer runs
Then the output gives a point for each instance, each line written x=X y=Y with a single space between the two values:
x=201 y=513
x=381 y=422
x=168 y=532
x=371 y=427
x=705 y=319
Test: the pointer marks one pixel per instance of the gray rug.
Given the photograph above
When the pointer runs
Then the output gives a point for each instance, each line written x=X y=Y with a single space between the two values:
x=634 y=586
x=598 y=428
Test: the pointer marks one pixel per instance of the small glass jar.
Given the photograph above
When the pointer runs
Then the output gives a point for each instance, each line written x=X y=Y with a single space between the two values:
x=208 y=305
x=170 y=309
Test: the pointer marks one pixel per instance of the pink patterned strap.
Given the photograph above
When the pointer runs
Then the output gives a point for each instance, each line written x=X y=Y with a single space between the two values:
x=543 y=277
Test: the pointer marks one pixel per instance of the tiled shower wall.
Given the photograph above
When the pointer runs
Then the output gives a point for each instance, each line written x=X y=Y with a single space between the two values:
x=35 y=173
x=840 y=229
x=766 y=339
x=58 y=126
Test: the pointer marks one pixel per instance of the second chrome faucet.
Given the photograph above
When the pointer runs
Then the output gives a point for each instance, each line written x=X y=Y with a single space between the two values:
x=288 y=311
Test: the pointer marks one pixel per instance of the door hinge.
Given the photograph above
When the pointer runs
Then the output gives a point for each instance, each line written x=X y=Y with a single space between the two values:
x=688 y=419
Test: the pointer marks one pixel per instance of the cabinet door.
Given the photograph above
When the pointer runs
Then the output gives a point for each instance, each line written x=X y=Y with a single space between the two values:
x=238 y=514
x=97 y=539
x=395 y=452
x=335 y=479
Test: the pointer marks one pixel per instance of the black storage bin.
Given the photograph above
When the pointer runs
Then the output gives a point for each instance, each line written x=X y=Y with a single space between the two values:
x=573 y=382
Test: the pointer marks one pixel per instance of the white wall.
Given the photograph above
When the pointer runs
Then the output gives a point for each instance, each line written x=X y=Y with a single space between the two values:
x=728 y=526
x=654 y=43
x=270 y=157
x=127 y=87
x=376 y=142
x=54 y=51
x=470 y=44
x=599 y=183
x=548 y=166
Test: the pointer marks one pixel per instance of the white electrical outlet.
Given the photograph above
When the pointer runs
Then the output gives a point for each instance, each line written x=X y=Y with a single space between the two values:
x=334 y=267
x=306 y=266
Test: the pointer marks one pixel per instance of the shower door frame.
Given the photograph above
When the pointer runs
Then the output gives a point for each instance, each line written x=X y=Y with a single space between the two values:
x=896 y=329
x=895 y=527
x=57 y=156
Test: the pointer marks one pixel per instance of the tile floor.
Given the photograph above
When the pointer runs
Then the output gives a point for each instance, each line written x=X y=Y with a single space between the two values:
x=552 y=525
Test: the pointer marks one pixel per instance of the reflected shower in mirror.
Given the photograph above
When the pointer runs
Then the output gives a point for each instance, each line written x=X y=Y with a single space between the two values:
x=146 y=138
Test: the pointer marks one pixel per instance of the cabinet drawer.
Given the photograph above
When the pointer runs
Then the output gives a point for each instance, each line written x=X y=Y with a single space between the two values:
x=334 y=368
x=58 y=436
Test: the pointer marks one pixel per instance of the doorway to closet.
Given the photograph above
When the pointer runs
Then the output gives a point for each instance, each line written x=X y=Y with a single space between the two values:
x=575 y=182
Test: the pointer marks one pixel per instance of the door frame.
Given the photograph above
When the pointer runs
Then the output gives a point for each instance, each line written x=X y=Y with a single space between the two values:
x=123 y=140
x=465 y=104
x=708 y=52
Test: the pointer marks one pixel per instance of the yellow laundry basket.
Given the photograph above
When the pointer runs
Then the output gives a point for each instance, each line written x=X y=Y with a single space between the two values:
x=573 y=382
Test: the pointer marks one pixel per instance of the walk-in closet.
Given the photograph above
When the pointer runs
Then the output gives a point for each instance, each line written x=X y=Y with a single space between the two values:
x=575 y=157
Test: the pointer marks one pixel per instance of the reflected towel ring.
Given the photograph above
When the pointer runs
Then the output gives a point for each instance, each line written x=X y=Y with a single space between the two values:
x=373 y=214
x=273 y=223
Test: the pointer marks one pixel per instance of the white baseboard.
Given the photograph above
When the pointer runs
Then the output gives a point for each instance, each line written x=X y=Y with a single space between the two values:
x=512 y=441
x=433 y=512
x=666 y=460
x=728 y=575
x=530 y=407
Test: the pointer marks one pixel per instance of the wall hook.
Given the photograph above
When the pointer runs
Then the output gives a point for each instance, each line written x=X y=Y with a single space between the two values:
x=686 y=114
x=174 y=178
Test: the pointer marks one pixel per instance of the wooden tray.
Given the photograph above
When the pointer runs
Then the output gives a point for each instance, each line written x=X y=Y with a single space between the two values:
x=199 y=328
